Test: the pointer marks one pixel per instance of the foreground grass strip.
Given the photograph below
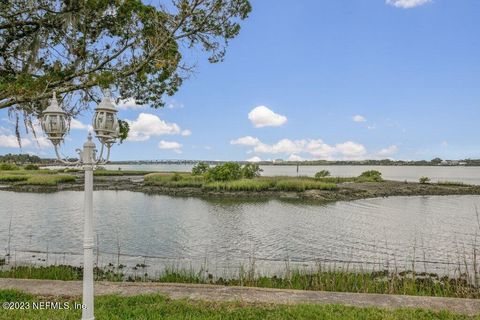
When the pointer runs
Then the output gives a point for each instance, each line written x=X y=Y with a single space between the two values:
x=160 y=307
x=401 y=283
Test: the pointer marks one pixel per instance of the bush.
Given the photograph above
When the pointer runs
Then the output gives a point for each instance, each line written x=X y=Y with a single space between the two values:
x=251 y=170
x=200 y=168
x=8 y=166
x=371 y=176
x=322 y=174
x=226 y=172
x=424 y=180
x=31 y=167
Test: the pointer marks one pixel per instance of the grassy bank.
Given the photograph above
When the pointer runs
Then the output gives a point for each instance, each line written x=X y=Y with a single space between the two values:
x=400 y=283
x=299 y=184
x=35 y=177
x=161 y=307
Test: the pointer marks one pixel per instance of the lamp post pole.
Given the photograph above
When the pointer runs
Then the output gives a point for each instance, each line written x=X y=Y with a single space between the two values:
x=105 y=125
x=88 y=159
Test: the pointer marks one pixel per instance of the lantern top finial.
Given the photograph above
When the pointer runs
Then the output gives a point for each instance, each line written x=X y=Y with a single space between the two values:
x=54 y=107
x=106 y=103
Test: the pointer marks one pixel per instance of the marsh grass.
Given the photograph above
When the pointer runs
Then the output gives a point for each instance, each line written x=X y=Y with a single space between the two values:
x=103 y=172
x=317 y=279
x=240 y=185
x=48 y=180
x=452 y=183
x=12 y=178
x=300 y=185
x=297 y=184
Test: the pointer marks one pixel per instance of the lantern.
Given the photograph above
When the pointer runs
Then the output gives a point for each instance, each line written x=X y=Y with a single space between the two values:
x=105 y=122
x=54 y=122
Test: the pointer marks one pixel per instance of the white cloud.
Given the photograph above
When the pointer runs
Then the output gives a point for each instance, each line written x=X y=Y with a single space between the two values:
x=129 y=103
x=148 y=125
x=78 y=125
x=359 y=118
x=387 y=152
x=186 y=133
x=262 y=116
x=315 y=148
x=445 y=144
x=407 y=4
x=254 y=159
x=10 y=141
x=42 y=142
x=170 y=145
x=351 y=149
x=294 y=157
x=282 y=146
x=246 y=141
x=38 y=141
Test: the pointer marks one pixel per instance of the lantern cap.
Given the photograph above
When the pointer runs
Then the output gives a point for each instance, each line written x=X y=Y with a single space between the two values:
x=89 y=143
x=54 y=107
x=106 y=103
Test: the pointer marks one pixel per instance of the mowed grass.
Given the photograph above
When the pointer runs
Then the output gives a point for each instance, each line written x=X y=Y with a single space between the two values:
x=154 y=306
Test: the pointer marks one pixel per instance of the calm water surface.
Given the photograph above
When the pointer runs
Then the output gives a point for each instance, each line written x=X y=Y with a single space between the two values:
x=222 y=234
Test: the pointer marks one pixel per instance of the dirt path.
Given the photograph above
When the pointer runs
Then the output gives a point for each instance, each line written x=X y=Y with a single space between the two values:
x=251 y=295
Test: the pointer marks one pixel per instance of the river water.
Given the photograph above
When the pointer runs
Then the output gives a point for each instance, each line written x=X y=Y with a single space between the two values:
x=436 y=232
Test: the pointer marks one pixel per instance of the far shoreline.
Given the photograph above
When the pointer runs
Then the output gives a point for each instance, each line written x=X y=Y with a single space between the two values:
x=348 y=191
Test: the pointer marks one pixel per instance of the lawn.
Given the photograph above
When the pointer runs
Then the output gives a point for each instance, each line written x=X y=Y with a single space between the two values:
x=159 y=307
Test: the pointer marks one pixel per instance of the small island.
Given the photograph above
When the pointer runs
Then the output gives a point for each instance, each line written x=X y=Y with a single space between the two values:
x=229 y=180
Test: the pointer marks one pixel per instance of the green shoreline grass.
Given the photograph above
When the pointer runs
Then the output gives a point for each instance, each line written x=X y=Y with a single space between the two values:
x=382 y=282
x=155 y=306
x=298 y=184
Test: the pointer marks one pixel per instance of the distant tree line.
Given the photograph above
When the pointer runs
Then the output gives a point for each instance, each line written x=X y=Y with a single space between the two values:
x=20 y=158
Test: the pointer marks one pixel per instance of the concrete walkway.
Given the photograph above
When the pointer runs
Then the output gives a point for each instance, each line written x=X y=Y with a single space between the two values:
x=251 y=295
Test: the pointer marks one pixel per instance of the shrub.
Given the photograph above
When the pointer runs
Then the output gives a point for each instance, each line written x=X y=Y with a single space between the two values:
x=251 y=170
x=322 y=174
x=200 y=168
x=225 y=172
x=370 y=176
x=31 y=167
x=8 y=166
x=424 y=180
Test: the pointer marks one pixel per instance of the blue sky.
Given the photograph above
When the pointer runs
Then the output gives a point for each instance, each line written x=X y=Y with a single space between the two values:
x=318 y=79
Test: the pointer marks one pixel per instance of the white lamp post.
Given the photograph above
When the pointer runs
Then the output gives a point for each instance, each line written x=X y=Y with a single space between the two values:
x=105 y=125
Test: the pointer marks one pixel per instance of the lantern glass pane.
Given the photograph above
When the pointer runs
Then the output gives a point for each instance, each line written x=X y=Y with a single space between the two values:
x=109 y=122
